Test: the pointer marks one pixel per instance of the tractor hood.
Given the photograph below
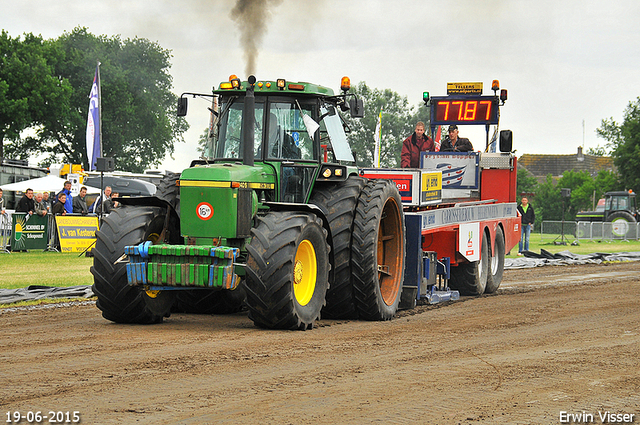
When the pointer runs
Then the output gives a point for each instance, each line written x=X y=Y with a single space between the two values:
x=218 y=201
x=260 y=176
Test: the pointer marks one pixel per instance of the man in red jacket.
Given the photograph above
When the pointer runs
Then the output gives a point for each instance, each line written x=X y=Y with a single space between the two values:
x=413 y=145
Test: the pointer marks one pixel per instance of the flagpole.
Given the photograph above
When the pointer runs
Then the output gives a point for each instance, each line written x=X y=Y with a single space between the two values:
x=376 y=137
x=99 y=110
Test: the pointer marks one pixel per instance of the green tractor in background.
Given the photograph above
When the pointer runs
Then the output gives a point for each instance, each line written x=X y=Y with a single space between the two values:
x=275 y=217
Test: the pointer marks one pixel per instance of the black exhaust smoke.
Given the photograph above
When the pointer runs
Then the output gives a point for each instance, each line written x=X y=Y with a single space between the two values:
x=251 y=17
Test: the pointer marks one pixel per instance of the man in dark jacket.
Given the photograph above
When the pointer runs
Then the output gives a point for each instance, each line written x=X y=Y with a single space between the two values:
x=26 y=203
x=528 y=218
x=80 y=203
x=413 y=145
x=453 y=143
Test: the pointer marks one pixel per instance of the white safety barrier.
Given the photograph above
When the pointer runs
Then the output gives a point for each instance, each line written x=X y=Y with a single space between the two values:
x=5 y=232
x=587 y=230
x=620 y=230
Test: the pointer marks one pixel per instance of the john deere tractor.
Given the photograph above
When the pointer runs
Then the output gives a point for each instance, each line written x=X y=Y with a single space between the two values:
x=274 y=217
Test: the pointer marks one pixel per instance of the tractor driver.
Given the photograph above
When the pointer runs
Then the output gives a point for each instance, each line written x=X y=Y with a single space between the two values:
x=281 y=144
x=453 y=143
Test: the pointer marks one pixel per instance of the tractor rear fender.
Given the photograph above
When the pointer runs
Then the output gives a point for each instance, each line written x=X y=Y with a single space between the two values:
x=308 y=208
x=152 y=201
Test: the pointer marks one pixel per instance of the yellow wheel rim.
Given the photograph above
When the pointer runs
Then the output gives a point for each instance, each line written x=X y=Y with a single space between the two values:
x=151 y=292
x=305 y=271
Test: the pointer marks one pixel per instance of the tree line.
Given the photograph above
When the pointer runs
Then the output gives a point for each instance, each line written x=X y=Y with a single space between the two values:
x=622 y=143
x=44 y=88
x=44 y=99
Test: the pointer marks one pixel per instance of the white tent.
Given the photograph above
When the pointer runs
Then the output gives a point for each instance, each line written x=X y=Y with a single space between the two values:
x=48 y=183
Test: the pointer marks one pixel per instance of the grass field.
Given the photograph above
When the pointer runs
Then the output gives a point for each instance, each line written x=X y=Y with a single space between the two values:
x=584 y=246
x=21 y=269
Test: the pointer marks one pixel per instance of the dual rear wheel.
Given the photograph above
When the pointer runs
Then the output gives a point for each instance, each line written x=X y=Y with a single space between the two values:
x=485 y=275
x=289 y=265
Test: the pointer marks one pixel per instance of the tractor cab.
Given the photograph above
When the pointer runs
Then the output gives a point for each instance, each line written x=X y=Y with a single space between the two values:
x=620 y=201
x=289 y=128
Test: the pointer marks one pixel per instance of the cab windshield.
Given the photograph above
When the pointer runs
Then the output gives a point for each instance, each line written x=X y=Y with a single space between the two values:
x=228 y=139
x=282 y=130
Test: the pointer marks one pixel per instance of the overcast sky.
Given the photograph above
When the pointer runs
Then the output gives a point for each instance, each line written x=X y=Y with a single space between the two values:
x=563 y=62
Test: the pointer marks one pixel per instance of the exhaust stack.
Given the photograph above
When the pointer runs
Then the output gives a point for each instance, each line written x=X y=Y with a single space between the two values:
x=248 y=123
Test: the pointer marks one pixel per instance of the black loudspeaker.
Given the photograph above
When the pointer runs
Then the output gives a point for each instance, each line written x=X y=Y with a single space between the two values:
x=565 y=192
x=182 y=106
x=105 y=164
x=506 y=141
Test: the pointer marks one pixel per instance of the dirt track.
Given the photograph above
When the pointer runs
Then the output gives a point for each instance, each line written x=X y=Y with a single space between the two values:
x=554 y=339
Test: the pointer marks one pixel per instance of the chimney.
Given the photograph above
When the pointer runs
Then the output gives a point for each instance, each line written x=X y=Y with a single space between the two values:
x=580 y=157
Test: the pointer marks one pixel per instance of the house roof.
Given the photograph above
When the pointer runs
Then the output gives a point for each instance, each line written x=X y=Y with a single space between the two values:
x=542 y=165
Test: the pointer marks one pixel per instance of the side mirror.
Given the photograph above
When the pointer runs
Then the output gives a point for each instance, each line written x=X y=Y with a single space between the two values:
x=506 y=141
x=182 y=106
x=356 y=107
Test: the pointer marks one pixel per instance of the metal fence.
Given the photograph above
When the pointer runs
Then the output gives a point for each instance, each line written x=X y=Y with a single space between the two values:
x=584 y=230
x=5 y=232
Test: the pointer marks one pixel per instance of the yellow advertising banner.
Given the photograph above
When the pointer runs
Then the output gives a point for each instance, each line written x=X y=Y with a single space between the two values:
x=431 y=186
x=76 y=233
x=464 y=88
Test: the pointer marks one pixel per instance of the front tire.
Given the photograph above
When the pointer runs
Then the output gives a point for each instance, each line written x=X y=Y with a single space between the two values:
x=287 y=270
x=120 y=302
x=377 y=251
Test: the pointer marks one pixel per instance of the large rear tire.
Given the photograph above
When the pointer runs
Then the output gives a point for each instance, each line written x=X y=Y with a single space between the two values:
x=497 y=263
x=287 y=270
x=118 y=301
x=169 y=190
x=378 y=250
x=622 y=223
x=471 y=278
x=338 y=203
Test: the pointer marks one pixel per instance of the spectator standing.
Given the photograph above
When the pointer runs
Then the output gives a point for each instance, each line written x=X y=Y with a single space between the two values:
x=111 y=203
x=40 y=209
x=95 y=207
x=46 y=201
x=2 y=210
x=453 y=143
x=528 y=218
x=79 y=202
x=68 y=205
x=26 y=203
x=413 y=145
x=58 y=207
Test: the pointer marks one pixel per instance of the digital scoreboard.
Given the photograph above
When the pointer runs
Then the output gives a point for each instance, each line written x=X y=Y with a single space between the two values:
x=447 y=110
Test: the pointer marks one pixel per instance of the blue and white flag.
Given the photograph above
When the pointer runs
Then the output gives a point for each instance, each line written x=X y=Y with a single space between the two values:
x=93 y=122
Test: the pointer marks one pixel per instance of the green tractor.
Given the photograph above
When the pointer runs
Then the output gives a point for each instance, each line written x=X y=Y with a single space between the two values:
x=275 y=218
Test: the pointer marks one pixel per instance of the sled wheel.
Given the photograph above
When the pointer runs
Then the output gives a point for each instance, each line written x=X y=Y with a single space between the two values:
x=471 y=278
x=497 y=263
